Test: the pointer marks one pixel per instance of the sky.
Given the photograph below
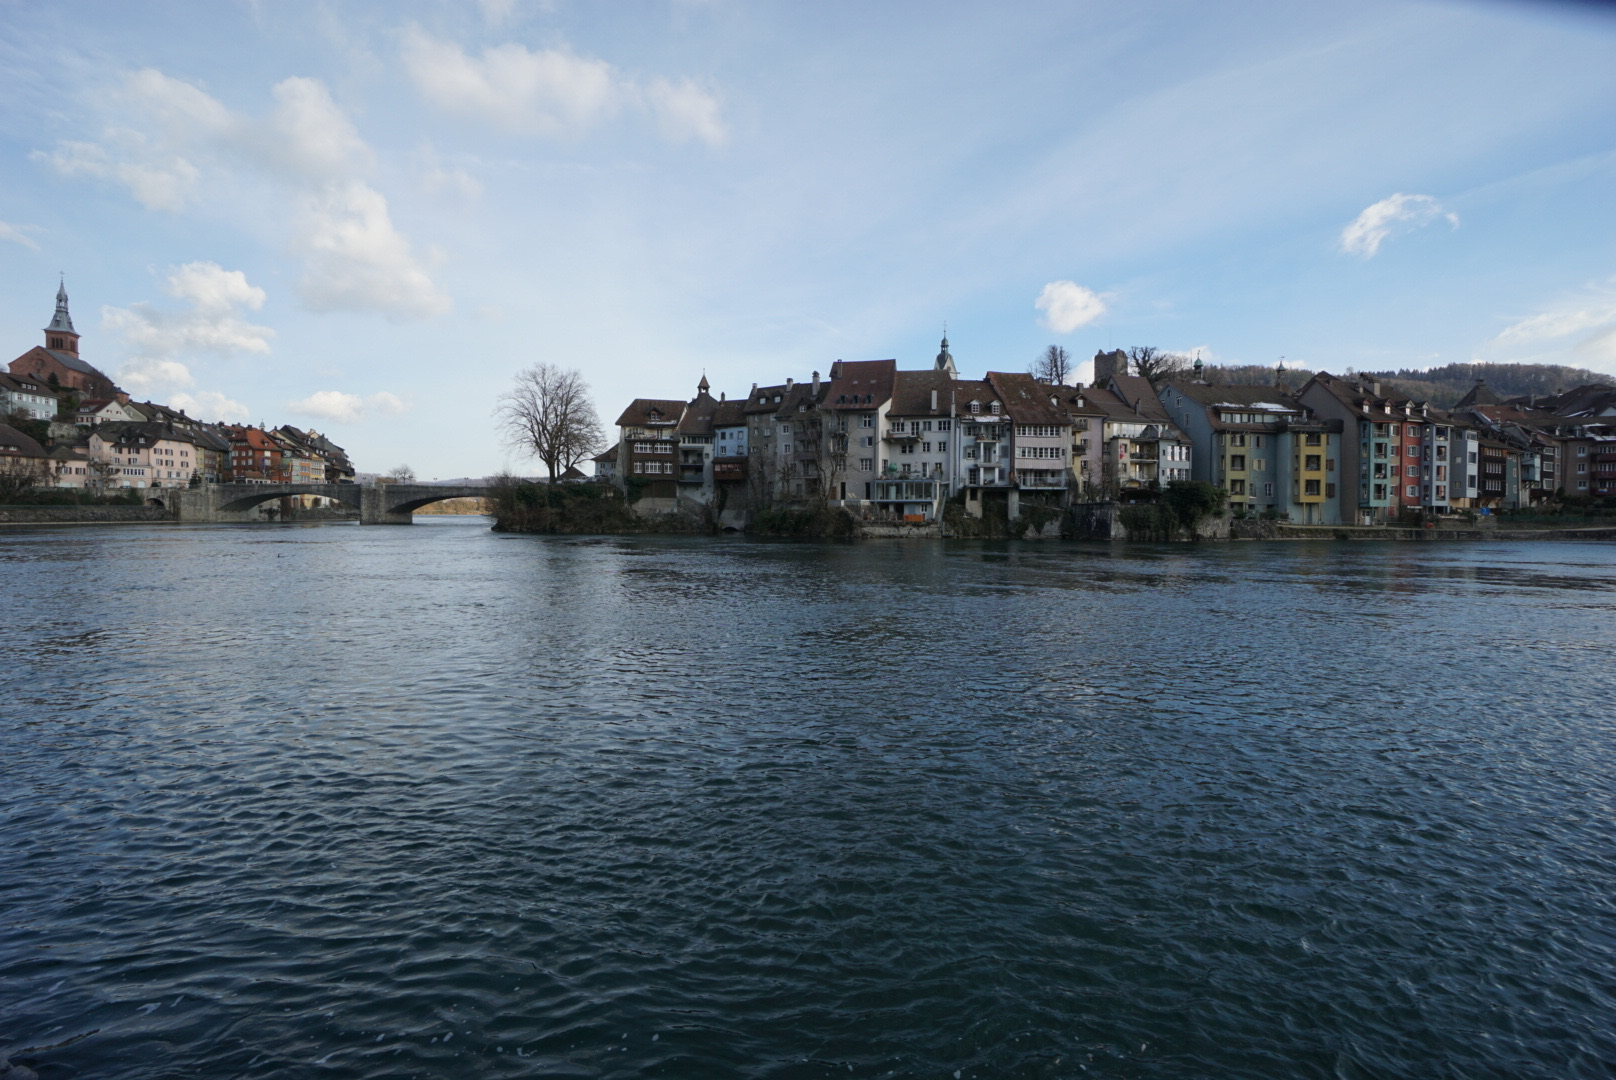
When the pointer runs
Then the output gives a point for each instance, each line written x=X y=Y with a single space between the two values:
x=366 y=218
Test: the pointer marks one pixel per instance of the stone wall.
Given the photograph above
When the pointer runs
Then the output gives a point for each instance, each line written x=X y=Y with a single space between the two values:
x=82 y=515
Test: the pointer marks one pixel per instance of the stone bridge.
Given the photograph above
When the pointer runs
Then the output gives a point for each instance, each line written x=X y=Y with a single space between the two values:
x=378 y=504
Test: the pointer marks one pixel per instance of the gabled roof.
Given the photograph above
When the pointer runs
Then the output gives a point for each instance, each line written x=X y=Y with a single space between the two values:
x=1137 y=392
x=124 y=431
x=14 y=443
x=607 y=456
x=912 y=391
x=860 y=384
x=969 y=390
x=1251 y=398
x=26 y=384
x=761 y=399
x=1479 y=394
x=730 y=414
x=652 y=412
x=698 y=416
x=1027 y=400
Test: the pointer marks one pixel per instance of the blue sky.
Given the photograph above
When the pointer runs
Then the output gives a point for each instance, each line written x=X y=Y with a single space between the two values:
x=365 y=217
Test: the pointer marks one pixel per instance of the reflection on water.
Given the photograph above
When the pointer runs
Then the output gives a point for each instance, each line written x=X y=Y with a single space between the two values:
x=352 y=802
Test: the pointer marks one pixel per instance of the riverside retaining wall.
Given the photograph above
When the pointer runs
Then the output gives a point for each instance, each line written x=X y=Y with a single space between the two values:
x=82 y=515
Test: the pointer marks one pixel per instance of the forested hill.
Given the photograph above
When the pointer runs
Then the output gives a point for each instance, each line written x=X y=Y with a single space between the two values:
x=1443 y=386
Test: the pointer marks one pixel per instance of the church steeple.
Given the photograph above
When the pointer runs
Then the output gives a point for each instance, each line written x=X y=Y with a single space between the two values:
x=945 y=360
x=60 y=335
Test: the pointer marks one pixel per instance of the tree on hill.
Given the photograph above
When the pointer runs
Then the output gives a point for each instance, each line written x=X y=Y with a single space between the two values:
x=1053 y=367
x=549 y=415
x=1149 y=362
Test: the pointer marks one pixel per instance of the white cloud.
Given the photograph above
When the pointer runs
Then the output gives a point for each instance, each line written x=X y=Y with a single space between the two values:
x=149 y=375
x=308 y=135
x=1579 y=329
x=547 y=92
x=553 y=92
x=342 y=408
x=1067 y=305
x=438 y=180
x=355 y=260
x=212 y=325
x=496 y=12
x=1398 y=214
x=18 y=234
x=160 y=181
x=209 y=405
x=684 y=110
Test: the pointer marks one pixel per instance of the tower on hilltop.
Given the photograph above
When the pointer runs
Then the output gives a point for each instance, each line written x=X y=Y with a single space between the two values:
x=60 y=335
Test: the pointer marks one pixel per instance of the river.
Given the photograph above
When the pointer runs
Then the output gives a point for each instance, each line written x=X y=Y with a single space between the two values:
x=334 y=801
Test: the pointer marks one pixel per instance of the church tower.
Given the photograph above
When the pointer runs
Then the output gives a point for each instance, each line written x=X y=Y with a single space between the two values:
x=945 y=360
x=60 y=335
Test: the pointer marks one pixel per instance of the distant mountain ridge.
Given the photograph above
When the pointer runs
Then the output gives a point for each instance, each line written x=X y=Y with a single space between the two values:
x=1442 y=386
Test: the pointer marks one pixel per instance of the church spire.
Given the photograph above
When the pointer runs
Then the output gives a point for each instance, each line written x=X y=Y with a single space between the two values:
x=60 y=335
x=945 y=360
x=62 y=321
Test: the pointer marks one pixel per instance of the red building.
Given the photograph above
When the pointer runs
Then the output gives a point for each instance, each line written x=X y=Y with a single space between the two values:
x=255 y=458
x=57 y=362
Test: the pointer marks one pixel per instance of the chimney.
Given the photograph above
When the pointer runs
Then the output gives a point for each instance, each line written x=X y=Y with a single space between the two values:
x=816 y=384
x=789 y=383
x=1374 y=387
x=934 y=401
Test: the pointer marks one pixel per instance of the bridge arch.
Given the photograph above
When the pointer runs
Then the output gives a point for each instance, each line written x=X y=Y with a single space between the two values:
x=239 y=497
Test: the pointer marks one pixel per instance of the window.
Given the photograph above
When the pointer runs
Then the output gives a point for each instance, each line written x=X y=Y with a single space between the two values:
x=942 y=425
x=1442 y=491
x=1582 y=451
x=1582 y=466
x=1237 y=487
x=942 y=444
x=866 y=464
x=1259 y=464
x=976 y=407
x=1311 y=463
x=1441 y=472
x=1237 y=462
x=1311 y=440
x=1310 y=487
x=925 y=425
x=1237 y=439
x=1413 y=451
x=1393 y=431
x=994 y=408
x=925 y=447
x=1256 y=442
x=1411 y=491
x=1412 y=470
x=866 y=421
x=785 y=429
x=1268 y=490
x=898 y=427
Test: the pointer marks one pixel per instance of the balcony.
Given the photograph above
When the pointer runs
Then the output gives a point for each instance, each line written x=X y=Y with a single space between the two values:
x=901 y=437
x=1039 y=479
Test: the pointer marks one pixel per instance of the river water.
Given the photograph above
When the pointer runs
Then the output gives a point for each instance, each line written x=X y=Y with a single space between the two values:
x=338 y=801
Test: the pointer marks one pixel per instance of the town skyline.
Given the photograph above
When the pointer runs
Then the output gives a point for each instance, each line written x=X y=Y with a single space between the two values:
x=368 y=217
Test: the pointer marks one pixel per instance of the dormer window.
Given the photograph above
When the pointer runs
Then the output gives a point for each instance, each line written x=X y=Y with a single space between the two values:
x=976 y=406
x=994 y=408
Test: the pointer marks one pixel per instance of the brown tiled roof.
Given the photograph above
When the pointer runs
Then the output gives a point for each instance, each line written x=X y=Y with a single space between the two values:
x=860 y=384
x=14 y=443
x=1137 y=392
x=968 y=390
x=641 y=410
x=912 y=390
x=608 y=455
x=729 y=414
x=761 y=399
x=1027 y=400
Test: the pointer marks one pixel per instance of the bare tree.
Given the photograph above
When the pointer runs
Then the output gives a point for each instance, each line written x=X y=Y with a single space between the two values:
x=1053 y=367
x=1153 y=364
x=401 y=475
x=19 y=475
x=548 y=414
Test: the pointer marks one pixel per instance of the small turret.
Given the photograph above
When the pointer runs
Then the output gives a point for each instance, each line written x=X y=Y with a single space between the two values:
x=945 y=360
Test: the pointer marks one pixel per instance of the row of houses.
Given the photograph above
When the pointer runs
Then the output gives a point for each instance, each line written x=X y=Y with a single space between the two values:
x=64 y=419
x=896 y=445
